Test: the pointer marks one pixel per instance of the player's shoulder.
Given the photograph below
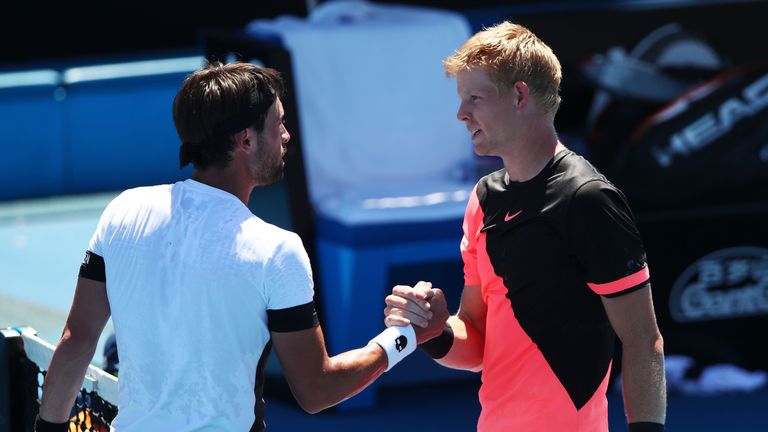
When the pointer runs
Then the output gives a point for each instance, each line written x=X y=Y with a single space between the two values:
x=576 y=176
x=586 y=188
x=136 y=197
x=272 y=237
x=489 y=183
x=143 y=193
x=255 y=225
x=493 y=178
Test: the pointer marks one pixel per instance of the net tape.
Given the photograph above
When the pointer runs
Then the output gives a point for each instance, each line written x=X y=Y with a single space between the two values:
x=96 y=403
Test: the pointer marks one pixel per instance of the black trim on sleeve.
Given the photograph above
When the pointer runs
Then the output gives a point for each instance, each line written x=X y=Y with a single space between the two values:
x=292 y=319
x=93 y=267
x=646 y=427
x=438 y=347
x=628 y=290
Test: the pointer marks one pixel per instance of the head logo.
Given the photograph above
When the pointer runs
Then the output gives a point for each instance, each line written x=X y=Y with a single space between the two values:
x=728 y=283
x=714 y=124
x=400 y=343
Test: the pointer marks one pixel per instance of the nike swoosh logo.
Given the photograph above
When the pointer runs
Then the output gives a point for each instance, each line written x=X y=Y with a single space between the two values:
x=508 y=217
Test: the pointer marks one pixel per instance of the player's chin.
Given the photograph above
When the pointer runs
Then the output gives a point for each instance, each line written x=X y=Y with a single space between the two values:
x=480 y=149
x=274 y=176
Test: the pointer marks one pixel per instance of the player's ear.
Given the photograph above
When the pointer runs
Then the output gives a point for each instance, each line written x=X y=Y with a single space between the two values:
x=521 y=94
x=244 y=139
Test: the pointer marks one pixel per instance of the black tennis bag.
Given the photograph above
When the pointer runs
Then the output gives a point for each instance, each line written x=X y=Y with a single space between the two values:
x=707 y=147
x=675 y=125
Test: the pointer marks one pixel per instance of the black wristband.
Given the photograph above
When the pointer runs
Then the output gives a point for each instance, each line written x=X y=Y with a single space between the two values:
x=439 y=346
x=646 y=427
x=46 y=426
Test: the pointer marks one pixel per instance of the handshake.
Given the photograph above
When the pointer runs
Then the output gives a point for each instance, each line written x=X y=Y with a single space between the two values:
x=421 y=305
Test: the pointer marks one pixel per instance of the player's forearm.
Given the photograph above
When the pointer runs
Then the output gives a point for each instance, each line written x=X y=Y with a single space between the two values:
x=645 y=396
x=467 y=348
x=342 y=377
x=65 y=377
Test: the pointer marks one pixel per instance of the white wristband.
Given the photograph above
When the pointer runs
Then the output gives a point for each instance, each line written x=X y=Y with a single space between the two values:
x=397 y=342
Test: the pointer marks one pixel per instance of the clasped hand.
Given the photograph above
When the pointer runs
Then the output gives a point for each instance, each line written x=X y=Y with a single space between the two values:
x=421 y=305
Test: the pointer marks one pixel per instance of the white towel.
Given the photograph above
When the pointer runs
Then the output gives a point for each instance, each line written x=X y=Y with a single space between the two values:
x=375 y=105
x=725 y=378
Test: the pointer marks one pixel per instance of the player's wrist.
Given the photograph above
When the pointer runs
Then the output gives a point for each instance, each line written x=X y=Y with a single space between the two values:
x=46 y=426
x=646 y=427
x=439 y=346
x=397 y=342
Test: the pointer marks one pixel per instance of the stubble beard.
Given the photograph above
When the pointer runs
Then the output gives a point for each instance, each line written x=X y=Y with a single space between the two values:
x=267 y=167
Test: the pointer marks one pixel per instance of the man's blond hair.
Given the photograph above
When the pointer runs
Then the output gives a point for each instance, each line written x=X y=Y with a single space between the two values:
x=509 y=53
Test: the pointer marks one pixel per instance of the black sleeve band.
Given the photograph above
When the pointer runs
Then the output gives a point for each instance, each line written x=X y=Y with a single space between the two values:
x=44 y=426
x=438 y=347
x=292 y=319
x=93 y=267
x=646 y=427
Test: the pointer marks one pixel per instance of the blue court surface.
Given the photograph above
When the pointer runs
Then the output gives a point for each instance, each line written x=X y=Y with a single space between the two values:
x=454 y=407
x=42 y=243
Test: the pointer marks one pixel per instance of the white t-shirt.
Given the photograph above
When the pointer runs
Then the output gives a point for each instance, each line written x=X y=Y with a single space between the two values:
x=190 y=274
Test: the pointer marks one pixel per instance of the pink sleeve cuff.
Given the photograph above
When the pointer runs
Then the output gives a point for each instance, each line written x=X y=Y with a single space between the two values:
x=622 y=284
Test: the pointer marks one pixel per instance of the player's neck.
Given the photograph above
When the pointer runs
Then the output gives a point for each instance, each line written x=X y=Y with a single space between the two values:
x=531 y=152
x=226 y=179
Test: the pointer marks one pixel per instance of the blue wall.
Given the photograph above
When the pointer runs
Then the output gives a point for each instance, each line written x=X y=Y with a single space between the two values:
x=90 y=128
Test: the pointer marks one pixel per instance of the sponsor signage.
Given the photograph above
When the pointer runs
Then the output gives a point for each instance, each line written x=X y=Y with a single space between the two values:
x=728 y=283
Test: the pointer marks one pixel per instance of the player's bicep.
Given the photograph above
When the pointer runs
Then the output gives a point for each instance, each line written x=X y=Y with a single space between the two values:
x=472 y=310
x=90 y=310
x=300 y=352
x=90 y=307
x=632 y=316
x=302 y=355
x=473 y=220
x=297 y=338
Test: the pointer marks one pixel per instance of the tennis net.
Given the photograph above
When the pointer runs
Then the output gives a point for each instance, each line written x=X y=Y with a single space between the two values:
x=24 y=360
